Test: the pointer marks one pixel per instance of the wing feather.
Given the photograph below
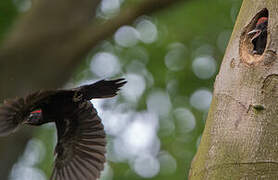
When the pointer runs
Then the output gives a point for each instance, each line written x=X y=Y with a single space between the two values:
x=72 y=172
x=101 y=89
x=85 y=168
x=81 y=145
x=79 y=170
x=54 y=174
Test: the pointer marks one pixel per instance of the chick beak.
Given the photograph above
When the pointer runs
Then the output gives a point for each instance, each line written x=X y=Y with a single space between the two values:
x=257 y=33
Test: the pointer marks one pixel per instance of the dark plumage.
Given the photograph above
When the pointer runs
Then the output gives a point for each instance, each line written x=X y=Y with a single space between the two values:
x=259 y=35
x=80 y=150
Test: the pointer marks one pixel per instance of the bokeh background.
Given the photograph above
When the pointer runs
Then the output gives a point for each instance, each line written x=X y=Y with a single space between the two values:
x=170 y=61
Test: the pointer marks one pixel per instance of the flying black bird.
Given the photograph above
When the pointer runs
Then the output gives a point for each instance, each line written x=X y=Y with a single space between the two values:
x=259 y=35
x=80 y=150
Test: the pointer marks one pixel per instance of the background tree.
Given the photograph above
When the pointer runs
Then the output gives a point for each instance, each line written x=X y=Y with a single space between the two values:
x=169 y=58
x=240 y=137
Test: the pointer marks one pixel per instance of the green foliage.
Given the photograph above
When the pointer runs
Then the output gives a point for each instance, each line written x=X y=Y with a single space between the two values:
x=8 y=13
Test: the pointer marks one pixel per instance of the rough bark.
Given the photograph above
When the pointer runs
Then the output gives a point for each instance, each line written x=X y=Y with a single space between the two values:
x=240 y=139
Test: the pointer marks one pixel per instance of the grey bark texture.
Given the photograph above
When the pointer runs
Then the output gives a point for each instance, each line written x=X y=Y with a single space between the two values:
x=240 y=140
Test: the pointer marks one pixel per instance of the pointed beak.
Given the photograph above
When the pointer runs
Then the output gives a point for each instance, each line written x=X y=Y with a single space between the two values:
x=253 y=31
x=257 y=32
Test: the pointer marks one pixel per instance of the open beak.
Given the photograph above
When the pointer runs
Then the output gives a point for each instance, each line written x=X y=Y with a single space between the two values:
x=257 y=32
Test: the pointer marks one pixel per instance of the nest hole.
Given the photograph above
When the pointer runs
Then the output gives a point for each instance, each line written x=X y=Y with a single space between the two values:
x=253 y=39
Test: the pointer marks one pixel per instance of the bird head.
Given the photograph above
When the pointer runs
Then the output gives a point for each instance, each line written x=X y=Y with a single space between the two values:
x=35 y=118
x=261 y=26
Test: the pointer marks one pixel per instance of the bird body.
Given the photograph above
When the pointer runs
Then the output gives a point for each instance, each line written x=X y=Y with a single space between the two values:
x=80 y=150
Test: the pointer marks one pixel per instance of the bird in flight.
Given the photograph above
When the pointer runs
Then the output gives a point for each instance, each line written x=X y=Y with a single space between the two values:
x=259 y=35
x=80 y=149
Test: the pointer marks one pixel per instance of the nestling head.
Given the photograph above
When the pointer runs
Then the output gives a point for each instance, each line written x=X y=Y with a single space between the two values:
x=260 y=28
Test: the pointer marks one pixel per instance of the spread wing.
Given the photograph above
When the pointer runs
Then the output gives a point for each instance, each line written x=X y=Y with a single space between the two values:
x=13 y=112
x=80 y=151
x=103 y=88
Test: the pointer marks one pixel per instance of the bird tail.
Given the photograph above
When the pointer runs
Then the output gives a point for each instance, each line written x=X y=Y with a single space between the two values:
x=102 y=89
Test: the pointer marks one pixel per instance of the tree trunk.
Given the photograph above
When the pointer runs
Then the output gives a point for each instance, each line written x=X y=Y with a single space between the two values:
x=240 y=140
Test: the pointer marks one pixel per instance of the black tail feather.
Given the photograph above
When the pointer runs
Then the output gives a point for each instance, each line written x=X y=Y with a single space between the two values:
x=102 y=89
